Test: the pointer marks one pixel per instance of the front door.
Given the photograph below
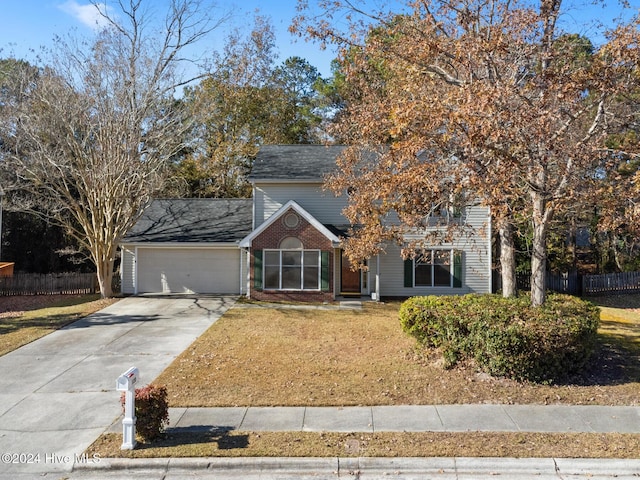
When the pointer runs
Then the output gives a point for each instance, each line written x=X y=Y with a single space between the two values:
x=350 y=279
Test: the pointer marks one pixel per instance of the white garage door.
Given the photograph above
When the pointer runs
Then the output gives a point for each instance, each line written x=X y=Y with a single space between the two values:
x=166 y=270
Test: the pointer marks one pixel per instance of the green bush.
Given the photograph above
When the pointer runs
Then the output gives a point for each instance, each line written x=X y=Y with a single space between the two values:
x=151 y=411
x=506 y=337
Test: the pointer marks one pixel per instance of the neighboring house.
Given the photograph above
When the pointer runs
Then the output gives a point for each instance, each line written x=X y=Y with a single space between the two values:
x=285 y=243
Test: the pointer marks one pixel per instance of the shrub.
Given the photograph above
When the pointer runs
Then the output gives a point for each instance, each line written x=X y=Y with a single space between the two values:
x=506 y=337
x=151 y=411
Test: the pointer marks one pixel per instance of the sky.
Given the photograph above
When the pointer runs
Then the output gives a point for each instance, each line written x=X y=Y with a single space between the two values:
x=29 y=24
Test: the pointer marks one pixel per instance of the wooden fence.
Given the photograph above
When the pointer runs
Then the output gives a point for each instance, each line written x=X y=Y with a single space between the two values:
x=48 y=284
x=557 y=282
x=611 y=283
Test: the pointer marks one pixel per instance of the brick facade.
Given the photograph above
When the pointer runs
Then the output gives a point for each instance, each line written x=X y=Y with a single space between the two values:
x=311 y=238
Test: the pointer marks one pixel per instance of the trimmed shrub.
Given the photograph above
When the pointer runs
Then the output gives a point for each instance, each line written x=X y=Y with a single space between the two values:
x=151 y=410
x=506 y=337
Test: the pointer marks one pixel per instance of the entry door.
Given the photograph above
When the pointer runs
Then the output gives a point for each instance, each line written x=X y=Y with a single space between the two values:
x=350 y=280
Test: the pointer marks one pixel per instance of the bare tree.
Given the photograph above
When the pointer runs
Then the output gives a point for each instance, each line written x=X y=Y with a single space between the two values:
x=87 y=145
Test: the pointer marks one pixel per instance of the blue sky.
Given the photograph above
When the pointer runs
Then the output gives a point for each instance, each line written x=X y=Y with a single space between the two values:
x=29 y=24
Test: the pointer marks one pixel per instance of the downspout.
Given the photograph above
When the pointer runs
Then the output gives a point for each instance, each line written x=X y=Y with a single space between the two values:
x=248 y=278
x=135 y=271
x=378 y=278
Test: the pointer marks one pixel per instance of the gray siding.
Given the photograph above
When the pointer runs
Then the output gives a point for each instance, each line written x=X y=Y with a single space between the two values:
x=476 y=261
x=127 y=270
x=323 y=205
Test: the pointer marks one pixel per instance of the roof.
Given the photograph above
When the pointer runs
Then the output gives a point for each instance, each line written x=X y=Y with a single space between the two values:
x=291 y=204
x=193 y=220
x=295 y=162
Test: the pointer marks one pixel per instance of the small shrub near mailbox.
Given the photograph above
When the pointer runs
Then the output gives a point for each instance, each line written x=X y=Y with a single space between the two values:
x=506 y=337
x=151 y=410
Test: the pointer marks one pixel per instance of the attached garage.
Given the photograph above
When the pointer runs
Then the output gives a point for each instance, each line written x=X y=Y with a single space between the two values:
x=187 y=246
x=194 y=270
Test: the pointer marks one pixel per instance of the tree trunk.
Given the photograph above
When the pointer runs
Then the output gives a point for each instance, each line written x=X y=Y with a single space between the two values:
x=539 y=253
x=105 y=276
x=507 y=259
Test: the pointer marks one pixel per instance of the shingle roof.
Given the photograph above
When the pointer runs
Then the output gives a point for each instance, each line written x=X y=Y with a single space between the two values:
x=193 y=220
x=295 y=162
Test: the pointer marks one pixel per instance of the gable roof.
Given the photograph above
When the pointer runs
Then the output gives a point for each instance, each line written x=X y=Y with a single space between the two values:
x=291 y=204
x=193 y=220
x=294 y=162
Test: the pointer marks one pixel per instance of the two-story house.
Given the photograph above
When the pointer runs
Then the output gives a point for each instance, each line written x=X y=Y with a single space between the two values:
x=285 y=242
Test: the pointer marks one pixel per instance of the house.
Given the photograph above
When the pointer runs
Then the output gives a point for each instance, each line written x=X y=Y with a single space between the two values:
x=285 y=243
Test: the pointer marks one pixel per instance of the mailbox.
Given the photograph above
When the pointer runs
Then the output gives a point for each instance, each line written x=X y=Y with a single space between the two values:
x=127 y=381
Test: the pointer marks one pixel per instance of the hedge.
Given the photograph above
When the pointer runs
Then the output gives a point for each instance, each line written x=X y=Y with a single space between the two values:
x=506 y=337
x=151 y=411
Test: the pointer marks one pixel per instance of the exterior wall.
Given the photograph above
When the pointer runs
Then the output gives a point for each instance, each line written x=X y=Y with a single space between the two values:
x=321 y=204
x=476 y=261
x=311 y=239
x=130 y=264
x=127 y=270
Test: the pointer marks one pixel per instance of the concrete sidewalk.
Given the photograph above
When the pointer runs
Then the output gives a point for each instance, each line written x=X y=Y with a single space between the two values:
x=410 y=418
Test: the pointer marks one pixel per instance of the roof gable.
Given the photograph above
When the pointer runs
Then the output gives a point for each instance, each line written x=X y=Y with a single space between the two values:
x=294 y=162
x=291 y=204
x=193 y=220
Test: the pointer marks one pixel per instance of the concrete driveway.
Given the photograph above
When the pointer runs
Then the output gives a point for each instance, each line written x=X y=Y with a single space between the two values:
x=57 y=394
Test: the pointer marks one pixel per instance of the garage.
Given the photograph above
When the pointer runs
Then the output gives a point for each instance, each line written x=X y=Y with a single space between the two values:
x=194 y=270
x=187 y=245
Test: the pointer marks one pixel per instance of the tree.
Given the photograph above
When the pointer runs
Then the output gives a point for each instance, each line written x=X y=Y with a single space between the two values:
x=295 y=86
x=486 y=97
x=246 y=101
x=88 y=143
x=229 y=108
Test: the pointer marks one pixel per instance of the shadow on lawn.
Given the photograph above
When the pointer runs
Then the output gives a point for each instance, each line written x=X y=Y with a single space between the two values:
x=206 y=434
x=615 y=361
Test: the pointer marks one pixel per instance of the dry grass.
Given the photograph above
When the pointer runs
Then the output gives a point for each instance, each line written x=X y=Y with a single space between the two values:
x=328 y=444
x=269 y=356
x=264 y=357
x=25 y=319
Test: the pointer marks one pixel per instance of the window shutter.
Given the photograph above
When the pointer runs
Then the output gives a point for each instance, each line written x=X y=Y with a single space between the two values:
x=324 y=271
x=457 y=269
x=408 y=273
x=257 y=269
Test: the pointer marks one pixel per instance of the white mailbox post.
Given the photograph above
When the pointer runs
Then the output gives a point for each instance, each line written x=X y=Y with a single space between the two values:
x=127 y=383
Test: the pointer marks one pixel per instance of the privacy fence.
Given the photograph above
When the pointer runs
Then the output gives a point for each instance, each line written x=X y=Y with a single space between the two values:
x=48 y=284
x=611 y=283
x=588 y=285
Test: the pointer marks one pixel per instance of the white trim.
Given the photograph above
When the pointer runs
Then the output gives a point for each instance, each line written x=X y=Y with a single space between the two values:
x=291 y=204
x=187 y=245
x=292 y=181
x=302 y=266
x=135 y=271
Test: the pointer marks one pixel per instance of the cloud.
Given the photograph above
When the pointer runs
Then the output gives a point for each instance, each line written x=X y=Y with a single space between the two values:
x=87 y=14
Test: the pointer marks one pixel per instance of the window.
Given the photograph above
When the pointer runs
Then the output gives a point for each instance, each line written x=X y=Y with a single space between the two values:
x=291 y=267
x=434 y=268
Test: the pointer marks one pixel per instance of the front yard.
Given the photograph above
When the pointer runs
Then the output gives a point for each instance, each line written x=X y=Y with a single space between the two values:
x=266 y=356
x=25 y=318
x=263 y=356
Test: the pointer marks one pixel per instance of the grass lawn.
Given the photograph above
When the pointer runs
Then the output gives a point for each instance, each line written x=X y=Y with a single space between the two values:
x=253 y=357
x=24 y=319
x=265 y=357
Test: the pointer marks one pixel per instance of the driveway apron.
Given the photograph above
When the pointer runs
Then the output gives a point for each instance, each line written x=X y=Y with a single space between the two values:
x=57 y=394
